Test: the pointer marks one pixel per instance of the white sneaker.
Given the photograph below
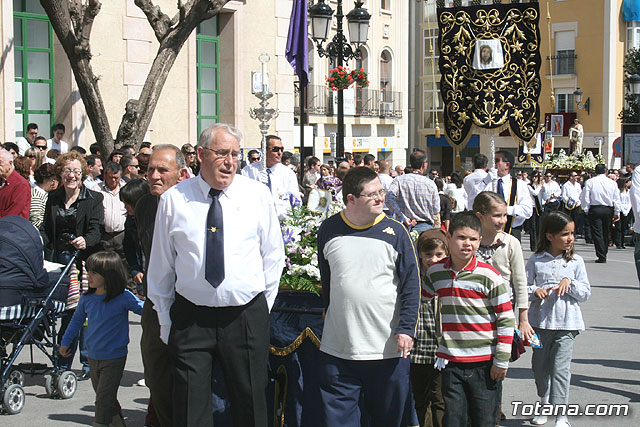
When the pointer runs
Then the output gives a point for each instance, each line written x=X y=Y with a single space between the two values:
x=141 y=383
x=539 y=420
x=562 y=423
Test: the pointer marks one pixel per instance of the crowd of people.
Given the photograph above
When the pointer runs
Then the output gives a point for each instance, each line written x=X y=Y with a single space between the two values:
x=189 y=238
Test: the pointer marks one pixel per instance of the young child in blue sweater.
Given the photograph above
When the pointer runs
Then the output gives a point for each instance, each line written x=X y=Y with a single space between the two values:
x=106 y=306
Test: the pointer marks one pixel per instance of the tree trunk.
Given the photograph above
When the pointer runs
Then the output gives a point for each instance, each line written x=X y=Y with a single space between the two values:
x=72 y=21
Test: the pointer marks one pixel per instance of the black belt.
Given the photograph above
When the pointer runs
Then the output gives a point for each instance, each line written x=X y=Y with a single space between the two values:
x=424 y=222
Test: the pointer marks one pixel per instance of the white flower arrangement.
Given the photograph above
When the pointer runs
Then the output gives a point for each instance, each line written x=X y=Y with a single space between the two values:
x=577 y=161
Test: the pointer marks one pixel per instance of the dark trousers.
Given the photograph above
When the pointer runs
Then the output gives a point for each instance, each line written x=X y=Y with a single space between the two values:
x=105 y=379
x=620 y=229
x=383 y=385
x=600 y=221
x=158 y=369
x=636 y=253
x=426 y=383
x=468 y=386
x=236 y=337
x=534 y=230
x=517 y=232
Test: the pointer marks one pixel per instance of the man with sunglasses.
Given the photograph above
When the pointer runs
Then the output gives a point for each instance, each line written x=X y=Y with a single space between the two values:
x=253 y=156
x=41 y=143
x=550 y=193
x=280 y=179
x=514 y=191
x=571 y=200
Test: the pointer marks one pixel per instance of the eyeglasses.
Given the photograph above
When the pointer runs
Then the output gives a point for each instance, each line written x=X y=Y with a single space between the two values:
x=42 y=147
x=191 y=153
x=254 y=159
x=224 y=153
x=135 y=166
x=31 y=156
x=71 y=171
x=276 y=149
x=372 y=196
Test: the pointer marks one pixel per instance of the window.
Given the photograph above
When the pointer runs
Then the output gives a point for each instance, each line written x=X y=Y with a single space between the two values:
x=385 y=4
x=564 y=103
x=633 y=35
x=33 y=62
x=385 y=70
x=207 y=65
x=564 y=61
x=431 y=105
x=430 y=60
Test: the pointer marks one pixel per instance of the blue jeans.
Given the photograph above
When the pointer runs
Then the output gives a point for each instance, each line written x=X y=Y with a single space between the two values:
x=636 y=253
x=422 y=227
x=470 y=387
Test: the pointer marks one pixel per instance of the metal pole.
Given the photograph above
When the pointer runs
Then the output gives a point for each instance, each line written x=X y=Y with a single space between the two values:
x=340 y=139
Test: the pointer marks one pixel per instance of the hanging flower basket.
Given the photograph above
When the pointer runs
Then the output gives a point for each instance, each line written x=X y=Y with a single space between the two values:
x=341 y=78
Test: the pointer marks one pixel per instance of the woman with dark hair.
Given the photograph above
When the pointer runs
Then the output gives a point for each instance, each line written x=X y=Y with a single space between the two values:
x=23 y=167
x=73 y=221
x=130 y=194
x=45 y=181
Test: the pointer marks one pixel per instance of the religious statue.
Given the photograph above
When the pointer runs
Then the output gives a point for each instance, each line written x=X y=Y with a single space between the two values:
x=576 y=133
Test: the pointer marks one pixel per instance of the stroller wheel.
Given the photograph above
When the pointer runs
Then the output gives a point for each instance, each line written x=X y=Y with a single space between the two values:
x=13 y=399
x=49 y=386
x=15 y=377
x=67 y=385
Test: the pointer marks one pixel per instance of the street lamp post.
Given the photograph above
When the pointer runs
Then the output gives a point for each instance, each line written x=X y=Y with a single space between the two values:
x=631 y=128
x=338 y=48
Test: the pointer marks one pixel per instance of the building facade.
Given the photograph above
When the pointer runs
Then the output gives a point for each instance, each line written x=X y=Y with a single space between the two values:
x=211 y=80
x=584 y=47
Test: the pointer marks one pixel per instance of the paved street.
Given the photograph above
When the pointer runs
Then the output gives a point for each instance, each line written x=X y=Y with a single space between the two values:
x=605 y=368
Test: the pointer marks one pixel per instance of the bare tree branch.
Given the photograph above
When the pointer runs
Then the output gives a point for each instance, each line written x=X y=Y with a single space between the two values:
x=160 y=22
x=79 y=59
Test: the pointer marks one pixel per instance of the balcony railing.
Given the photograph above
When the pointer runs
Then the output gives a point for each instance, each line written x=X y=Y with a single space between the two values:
x=366 y=103
x=563 y=63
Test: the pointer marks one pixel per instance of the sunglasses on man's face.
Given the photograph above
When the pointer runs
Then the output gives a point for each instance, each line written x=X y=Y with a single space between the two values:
x=276 y=149
x=254 y=159
x=42 y=147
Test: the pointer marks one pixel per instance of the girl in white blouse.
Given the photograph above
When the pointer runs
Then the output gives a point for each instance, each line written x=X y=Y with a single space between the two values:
x=557 y=282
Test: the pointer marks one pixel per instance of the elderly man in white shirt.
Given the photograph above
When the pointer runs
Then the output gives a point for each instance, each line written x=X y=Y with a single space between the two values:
x=474 y=183
x=115 y=213
x=520 y=204
x=600 y=199
x=281 y=180
x=635 y=206
x=215 y=266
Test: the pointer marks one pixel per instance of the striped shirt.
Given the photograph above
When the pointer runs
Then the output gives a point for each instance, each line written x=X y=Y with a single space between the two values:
x=38 y=203
x=477 y=317
x=413 y=196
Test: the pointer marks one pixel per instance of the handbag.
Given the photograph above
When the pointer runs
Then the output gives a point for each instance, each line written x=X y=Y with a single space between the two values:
x=517 y=347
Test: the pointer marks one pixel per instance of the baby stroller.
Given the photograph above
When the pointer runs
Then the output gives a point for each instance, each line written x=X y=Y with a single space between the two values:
x=30 y=301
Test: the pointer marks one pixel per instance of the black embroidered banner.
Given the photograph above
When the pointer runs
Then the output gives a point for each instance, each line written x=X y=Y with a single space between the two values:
x=490 y=67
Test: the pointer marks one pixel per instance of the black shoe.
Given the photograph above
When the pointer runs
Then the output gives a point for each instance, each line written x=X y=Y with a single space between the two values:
x=601 y=261
x=623 y=247
x=619 y=247
x=589 y=242
x=85 y=376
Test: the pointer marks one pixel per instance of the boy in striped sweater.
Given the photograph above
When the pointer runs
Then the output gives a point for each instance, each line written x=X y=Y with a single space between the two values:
x=477 y=327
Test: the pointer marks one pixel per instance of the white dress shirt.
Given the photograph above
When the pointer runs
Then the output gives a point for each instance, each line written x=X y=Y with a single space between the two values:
x=600 y=191
x=115 y=214
x=284 y=184
x=23 y=145
x=634 y=195
x=550 y=190
x=474 y=184
x=625 y=203
x=63 y=147
x=253 y=247
x=571 y=191
x=523 y=208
